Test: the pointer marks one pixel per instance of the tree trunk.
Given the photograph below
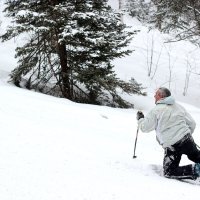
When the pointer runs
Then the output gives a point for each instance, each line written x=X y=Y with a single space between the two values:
x=121 y=8
x=159 y=19
x=65 y=71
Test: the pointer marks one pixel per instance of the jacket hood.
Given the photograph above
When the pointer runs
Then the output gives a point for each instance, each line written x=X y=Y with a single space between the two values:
x=168 y=100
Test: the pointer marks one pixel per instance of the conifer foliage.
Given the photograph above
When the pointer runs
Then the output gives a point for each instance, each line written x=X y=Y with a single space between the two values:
x=140 y=9
x=69 y=49
x=178 y=17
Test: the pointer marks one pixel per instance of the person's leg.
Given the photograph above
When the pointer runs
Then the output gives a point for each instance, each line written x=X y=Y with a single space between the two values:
x=193 y=153
x=190 y=149
x=170 y=162
x=171 y=167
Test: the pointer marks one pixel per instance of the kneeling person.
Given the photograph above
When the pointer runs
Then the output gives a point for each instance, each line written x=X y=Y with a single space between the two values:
x=174 y=127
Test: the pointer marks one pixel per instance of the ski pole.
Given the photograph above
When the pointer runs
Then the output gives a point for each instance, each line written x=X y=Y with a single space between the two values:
x=134 y=156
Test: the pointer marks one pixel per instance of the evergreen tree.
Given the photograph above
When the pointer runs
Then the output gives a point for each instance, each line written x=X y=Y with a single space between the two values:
x=139 y=9
x=70 y=49
x=182 y=18
x=179 y=17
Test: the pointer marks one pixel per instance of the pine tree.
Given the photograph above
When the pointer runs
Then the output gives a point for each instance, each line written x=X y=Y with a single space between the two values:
x=140 y=9
x=181 y=18
x=70 y=49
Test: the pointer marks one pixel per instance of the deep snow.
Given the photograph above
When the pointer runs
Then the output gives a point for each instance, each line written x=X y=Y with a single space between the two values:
x=54 y=149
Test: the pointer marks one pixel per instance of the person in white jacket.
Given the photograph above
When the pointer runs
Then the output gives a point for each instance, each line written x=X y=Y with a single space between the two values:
x=174 y=127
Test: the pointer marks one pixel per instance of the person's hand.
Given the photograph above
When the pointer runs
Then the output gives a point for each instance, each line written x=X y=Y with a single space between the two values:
x=139 y=115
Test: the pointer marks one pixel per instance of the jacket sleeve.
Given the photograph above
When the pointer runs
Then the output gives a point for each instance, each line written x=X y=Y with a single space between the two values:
x=149 y=122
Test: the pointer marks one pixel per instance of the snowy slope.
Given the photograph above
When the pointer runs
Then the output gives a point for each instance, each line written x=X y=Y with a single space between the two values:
x=54 y=149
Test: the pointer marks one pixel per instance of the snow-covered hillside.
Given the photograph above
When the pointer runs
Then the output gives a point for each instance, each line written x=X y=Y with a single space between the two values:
x=54 y=149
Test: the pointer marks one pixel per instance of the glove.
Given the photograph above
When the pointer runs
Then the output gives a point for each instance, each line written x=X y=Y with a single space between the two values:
x=139 y=115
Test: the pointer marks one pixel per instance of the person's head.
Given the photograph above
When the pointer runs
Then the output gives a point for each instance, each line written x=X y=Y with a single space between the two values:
x=161 y=93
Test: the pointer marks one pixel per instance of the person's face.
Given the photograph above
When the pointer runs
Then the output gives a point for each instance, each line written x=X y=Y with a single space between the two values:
x=157 y=96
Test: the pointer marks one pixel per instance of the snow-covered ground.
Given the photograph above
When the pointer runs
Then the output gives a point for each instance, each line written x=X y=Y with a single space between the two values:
x=54 y=149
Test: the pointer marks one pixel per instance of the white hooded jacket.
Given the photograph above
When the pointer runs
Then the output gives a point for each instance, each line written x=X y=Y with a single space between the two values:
x=170 y=120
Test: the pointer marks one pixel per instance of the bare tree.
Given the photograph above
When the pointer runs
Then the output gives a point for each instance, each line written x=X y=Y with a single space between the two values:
x=157 y=63
x=170 y=66
x=150 y=64
x=153 y=58
x=190 y=69
x=187 y=78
